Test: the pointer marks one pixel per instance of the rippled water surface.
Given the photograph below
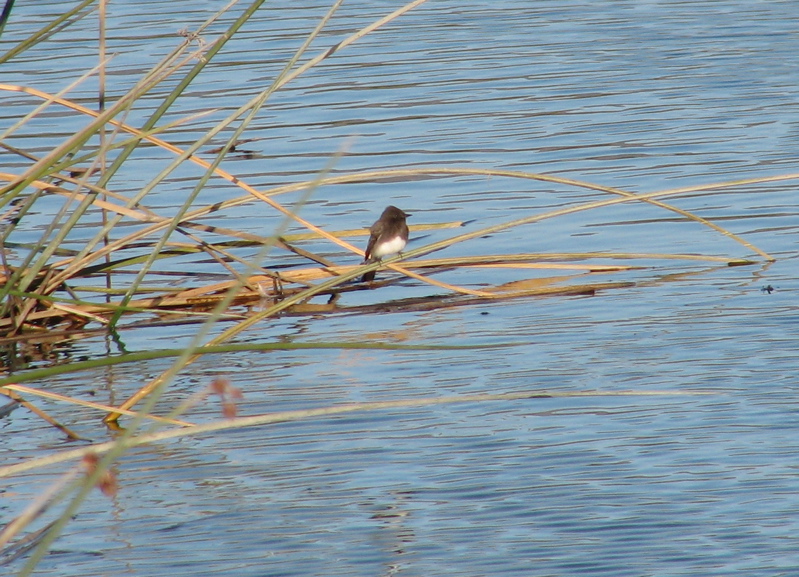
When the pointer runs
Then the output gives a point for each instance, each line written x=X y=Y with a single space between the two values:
x=642 y=96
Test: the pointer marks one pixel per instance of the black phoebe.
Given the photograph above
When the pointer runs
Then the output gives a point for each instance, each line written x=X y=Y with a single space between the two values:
x=389 y=235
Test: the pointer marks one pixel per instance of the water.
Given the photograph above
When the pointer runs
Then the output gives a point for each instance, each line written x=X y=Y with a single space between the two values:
x=637 y=95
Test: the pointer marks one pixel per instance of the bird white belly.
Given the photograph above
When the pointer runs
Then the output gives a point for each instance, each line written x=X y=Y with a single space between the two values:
x=393 y=246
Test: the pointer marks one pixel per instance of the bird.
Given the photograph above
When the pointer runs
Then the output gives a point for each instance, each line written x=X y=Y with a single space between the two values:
x=388 y=235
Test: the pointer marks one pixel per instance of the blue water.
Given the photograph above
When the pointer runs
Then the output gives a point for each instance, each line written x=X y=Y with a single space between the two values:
x=637 y=95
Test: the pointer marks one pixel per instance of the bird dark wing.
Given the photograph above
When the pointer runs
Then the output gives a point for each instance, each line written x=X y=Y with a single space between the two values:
x=376 y=229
